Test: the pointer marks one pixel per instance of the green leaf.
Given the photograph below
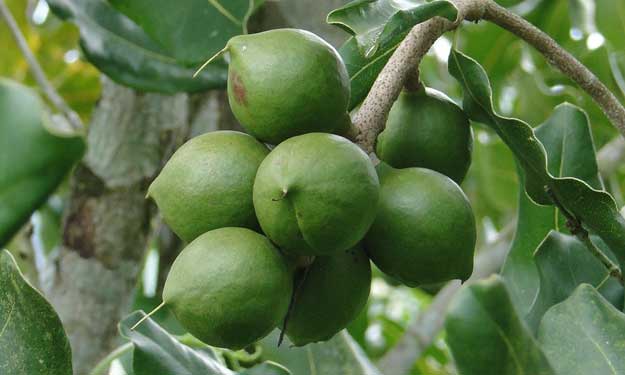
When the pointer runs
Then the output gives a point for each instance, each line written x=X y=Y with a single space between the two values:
x=570 y=151
x=569 y=146
x=267 y=368
x=379 y=26
x=584 y=335
x=486 y=336
x=158 y=352
x=123 y=51
x=34 y=161
x=191 y=31
x=563 y=264
x=596 y=209
x=376 y=23
x=339 y=355
x=32 y=339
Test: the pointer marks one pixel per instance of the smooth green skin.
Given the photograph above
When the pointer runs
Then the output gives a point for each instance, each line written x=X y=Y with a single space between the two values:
x=207 y=184
x=424 y=232
x=229 y=287
x=33 y=161
x=316 y=194
x=333 y=293
x=426 y=129
x=287 y=82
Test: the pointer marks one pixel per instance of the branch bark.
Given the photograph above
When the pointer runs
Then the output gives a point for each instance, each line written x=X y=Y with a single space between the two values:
x=560 y=59
x=70 y=116
x=371 y=117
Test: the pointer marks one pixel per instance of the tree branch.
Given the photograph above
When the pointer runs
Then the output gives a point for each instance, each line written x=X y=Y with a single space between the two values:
x=70 y=116
x=577 y=229
x=560 y=59
x=371 y=117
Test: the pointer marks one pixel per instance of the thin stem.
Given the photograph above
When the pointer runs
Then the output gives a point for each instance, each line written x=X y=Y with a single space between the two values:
x=72 y=118
x=577 y=229
x=561 y=59
x=612 y=268
x=147 y=316
x=210 y=60
x=294 y=295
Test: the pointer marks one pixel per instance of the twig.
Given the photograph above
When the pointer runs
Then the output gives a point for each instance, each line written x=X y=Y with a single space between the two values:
x=561 y=59
x=577 y=229
x=371 y=117
x=72 y=118
x=612 y=268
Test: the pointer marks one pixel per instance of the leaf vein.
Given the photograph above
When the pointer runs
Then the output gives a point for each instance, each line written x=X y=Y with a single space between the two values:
x=220 y=8
x=6 y=324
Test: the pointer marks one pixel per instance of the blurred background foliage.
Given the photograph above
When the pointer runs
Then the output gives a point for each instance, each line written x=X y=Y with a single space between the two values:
x=525 y=86
x=55 y=43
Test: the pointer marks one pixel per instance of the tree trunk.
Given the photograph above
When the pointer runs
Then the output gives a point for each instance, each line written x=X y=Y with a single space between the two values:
x=107 y=222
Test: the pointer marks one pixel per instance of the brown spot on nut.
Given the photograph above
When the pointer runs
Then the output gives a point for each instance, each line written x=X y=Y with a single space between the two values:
x=238 y=88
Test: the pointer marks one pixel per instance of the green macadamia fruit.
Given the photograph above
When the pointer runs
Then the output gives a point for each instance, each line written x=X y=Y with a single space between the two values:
x=332 y=293
x=207 y=184
x=424 y=232
x=427 y=129
x=229 y=287
x=286 y=82
x=316 y=194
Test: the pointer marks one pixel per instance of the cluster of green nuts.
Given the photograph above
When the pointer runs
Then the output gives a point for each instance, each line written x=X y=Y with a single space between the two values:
x=282 y=237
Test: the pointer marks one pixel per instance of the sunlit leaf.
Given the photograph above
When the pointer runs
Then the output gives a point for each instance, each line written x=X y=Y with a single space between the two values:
x=123 y=51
